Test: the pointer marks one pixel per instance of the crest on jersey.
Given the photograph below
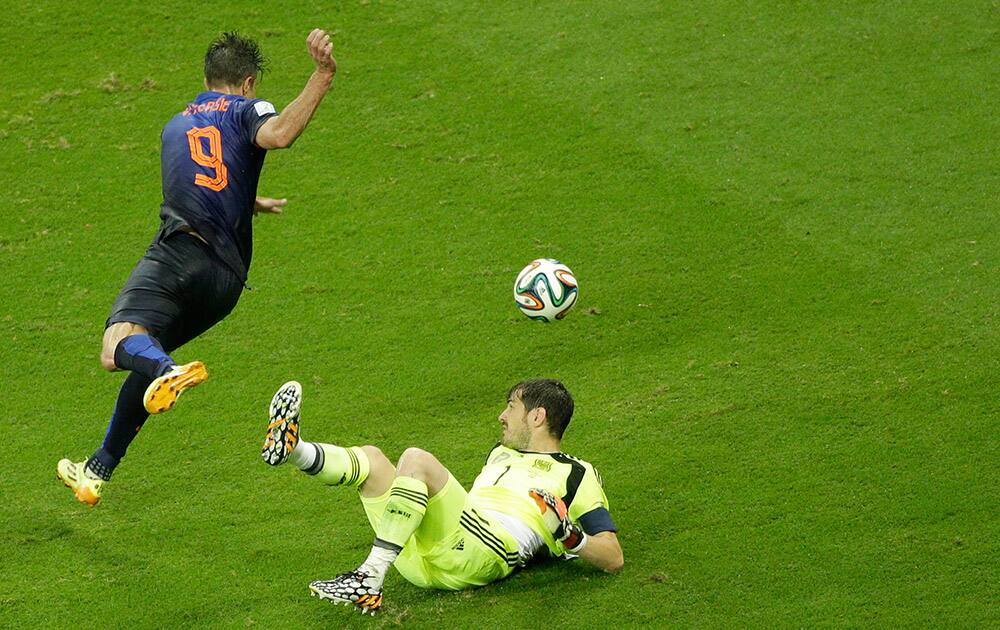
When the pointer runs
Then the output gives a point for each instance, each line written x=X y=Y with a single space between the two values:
x=544 y=464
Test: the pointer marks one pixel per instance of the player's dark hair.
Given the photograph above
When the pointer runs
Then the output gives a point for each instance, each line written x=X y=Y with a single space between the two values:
x=550 y=395
x=231 y=58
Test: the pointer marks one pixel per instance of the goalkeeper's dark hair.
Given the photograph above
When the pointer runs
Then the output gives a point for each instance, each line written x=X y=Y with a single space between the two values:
x=550 y=395
x=231 y=58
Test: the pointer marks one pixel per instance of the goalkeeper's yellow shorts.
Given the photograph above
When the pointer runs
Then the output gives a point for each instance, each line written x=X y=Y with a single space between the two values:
x=455 y=546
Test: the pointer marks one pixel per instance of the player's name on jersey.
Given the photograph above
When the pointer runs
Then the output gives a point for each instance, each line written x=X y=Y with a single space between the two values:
x=218 y=105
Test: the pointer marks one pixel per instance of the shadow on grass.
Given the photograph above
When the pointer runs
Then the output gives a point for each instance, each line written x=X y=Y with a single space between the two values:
x=533 y=593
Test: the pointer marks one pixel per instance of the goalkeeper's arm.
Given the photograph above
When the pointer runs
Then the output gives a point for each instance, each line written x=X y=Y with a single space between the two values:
x=603 y=551
x=600 y=549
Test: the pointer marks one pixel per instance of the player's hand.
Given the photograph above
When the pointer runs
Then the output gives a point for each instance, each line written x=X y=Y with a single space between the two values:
x=556 y=518
x=321 y=49
x=268 y=205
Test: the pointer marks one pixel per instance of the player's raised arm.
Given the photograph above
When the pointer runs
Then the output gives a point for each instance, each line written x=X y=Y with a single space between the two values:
x=281 y=131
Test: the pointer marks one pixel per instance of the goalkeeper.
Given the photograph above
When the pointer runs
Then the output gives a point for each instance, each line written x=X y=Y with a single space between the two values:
x=529 y=500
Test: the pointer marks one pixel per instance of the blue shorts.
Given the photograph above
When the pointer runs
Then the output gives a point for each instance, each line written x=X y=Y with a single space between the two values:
x=177 y=290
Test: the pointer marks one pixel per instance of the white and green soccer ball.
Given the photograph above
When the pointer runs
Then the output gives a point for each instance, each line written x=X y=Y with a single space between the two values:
x=545 y=290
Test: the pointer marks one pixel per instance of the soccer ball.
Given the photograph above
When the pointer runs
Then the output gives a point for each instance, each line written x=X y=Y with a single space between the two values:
x=545 y=290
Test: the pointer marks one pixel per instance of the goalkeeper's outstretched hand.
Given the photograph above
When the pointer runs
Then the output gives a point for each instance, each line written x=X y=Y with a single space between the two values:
x=556 y=518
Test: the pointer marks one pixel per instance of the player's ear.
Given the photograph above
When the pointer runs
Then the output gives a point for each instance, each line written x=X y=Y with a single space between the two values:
x=249 y=84
x=540 y=417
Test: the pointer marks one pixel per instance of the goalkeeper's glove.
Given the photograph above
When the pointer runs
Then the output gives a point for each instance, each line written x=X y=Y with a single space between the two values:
x=556 y=518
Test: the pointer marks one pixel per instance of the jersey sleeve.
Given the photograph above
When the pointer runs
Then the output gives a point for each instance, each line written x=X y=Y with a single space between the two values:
x=590 y=508
x=596 y=521
x=255 y=113
x=589 y=496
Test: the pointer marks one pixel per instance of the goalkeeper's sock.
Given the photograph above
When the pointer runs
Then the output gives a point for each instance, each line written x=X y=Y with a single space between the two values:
x=333 y=465
x=142 y=354
x=377 y=564
x=402 y=515
x=403 y=511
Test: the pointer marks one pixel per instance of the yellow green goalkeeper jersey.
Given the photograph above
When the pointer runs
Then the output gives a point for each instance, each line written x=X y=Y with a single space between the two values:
x=503 y=484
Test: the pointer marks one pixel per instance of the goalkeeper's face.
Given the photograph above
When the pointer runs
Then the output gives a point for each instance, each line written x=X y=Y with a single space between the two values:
x=515 y=423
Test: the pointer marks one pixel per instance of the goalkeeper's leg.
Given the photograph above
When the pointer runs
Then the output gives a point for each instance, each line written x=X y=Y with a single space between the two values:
x=419 y=476
x=362 y=467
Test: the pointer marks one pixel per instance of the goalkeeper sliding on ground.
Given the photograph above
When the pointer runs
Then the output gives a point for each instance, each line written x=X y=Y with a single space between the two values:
x=529 y=500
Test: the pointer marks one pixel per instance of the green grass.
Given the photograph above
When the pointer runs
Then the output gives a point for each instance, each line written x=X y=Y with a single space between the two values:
x=783 y=216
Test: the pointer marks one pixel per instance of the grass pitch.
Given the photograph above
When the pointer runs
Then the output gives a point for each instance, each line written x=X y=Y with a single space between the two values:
x=784 y=221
